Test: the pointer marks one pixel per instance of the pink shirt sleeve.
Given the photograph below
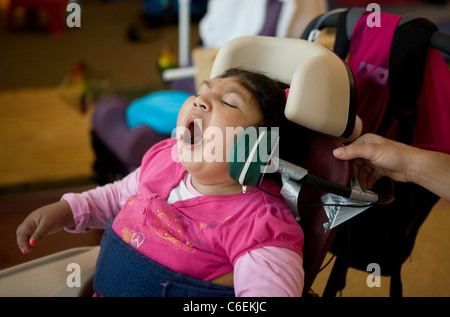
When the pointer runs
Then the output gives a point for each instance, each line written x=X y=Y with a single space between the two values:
x=93 y=209
x=269 y=272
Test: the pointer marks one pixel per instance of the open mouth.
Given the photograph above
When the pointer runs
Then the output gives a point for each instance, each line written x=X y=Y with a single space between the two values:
x=193 y=135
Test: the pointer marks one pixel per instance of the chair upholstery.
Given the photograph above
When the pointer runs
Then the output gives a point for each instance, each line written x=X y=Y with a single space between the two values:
x=317 y=241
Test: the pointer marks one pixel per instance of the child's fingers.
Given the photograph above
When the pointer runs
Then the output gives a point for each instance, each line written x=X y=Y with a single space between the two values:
x=23 y=235
x=41 y=222
x=29 y=233
x=41 y=231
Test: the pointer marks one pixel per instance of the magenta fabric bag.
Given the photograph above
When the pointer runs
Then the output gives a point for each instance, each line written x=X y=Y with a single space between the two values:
x=433 y=124
x=369 y=60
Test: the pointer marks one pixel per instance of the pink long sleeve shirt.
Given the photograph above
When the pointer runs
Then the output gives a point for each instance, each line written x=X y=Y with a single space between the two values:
x=158 y=212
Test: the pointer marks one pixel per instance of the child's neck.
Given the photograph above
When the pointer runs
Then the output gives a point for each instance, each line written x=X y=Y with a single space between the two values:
x=227 y=188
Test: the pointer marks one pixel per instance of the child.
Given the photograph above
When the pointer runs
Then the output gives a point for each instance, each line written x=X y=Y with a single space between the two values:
x=195 y=231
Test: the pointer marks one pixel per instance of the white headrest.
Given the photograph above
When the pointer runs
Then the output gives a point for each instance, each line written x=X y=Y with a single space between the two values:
x=322 y=88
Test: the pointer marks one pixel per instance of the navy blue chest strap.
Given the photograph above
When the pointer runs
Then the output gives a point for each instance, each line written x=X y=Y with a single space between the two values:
x=123 y=271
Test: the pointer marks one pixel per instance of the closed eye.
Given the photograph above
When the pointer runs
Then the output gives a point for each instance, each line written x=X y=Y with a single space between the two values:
x=229 y=104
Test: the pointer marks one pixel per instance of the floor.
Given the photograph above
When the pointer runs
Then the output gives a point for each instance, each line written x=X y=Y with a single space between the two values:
x=38 y=131
x=424 y=273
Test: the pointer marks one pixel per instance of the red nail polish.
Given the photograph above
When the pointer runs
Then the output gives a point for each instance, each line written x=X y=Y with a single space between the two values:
x=32 y=241
x=25 y=250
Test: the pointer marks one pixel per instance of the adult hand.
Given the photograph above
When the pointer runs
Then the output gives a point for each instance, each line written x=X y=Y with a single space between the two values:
x=375 y=156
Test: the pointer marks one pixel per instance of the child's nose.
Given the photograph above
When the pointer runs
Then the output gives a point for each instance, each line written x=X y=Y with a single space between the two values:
x=202 y=103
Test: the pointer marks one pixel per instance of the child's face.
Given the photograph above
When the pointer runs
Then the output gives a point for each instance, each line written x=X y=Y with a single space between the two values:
x=204 y=125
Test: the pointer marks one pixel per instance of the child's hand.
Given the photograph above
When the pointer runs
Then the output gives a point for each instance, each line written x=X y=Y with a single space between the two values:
x=45 y=220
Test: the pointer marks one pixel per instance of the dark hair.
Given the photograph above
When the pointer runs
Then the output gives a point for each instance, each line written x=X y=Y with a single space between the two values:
x=270 y=93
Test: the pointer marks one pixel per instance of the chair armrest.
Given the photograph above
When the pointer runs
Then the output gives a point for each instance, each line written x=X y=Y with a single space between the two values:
x=47 y=276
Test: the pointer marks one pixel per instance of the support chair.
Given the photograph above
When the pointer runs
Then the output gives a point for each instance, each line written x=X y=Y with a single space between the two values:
x=319 y=103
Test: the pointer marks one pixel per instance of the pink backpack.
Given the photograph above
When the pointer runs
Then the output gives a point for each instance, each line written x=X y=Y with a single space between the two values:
x=403 y=93
x=401 y=81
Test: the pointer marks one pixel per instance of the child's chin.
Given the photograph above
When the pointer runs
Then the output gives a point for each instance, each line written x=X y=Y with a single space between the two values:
x=189 y=153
